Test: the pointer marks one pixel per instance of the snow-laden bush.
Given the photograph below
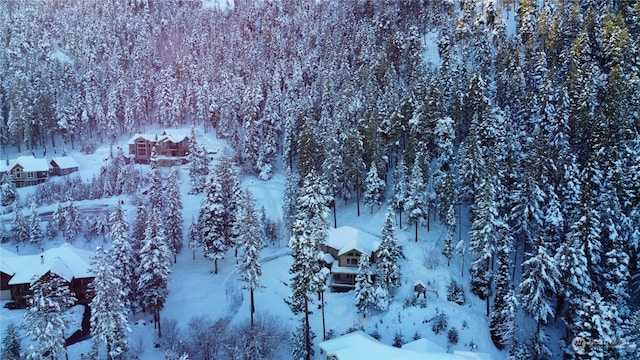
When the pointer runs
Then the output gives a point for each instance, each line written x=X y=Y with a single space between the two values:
x=440 y=323
x=398 y=339
x=455 y=293
x=452 y=336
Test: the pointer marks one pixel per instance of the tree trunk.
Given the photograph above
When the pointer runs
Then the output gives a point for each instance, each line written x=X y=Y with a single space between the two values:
x=324 y=326
x=215 y=262
x=358 y=199
x=416 y=231
x=158 y=321
x=307 y=330
x=400 y=219
x=335 y=220
x=253 y=308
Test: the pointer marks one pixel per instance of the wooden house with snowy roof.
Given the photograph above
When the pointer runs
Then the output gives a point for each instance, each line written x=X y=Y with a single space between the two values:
x=25 y=170
x=71 y=264
x=172 y=147
x=63 y=165
x=343 y=249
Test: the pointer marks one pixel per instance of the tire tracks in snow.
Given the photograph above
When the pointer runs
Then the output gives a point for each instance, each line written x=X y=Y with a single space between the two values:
x=233 y=288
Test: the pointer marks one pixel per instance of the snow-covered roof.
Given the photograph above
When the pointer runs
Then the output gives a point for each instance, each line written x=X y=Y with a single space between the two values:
x=424 y=345
x=347 y=238
x=148 y=137
x=29 y=163
x=8 y=262
x=174 y=136
x=65 y=162
x=359 y=345
x=65 y=260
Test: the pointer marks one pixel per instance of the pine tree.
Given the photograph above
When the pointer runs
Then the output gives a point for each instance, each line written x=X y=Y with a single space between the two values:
x=251 y=242
x=198 y=165
x=173 y=216
x=400 y=189
x=364 y=291
x=387 y=268
x=447 y=247
x=539 y=282
x=8 y=192
x=140 y=222
x=46 y=318
x=230 y=198
x=156 y=190
x=72 y=222
x=502 y=321
x=122 y=255
x=109 y=325
x=211 y=221
x=482 y=238
x=154 y=268
x=290 y=197
x=374 y=187
x=600 y=327
x=10 y=349
x=19 y=226
x=56 y=223
x=416 y=204
x=36 y=237
x=309 y=231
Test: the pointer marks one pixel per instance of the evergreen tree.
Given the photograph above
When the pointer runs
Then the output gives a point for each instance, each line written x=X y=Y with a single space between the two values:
x=600 y=326
x=290 y=196
x=364 y=291
x=400 y=189
x=447 y=247
x=416 y=204
x=109 y=325
x=502 y=321
x=8 y=192
x=173 y=216
x=387 y=268
x=309 y=231
x=46 y=318
x=251 y=242
x=140 y=222
x=211 y=221
x=122 y=255
x=230 y=198
x=36 y=237
x=56 y=223
x=156 y=190
x=154 y=268
x=482 y=238
x=19 y=226
x=198 y=164
x=539 y=282
x=374 y=187
x=72 y=222
x=11 y=343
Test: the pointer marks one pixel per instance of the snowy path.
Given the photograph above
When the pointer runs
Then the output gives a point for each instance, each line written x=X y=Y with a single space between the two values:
x=233 y=288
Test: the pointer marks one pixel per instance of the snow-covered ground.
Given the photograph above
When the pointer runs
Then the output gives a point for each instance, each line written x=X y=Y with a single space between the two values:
x=196 y=291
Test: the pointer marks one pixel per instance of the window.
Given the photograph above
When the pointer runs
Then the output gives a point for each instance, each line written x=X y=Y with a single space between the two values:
x=17 y=172
x=31 y=175
x=142 y=149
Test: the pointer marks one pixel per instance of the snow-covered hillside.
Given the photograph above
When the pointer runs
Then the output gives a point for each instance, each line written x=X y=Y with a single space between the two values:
x=194 y=290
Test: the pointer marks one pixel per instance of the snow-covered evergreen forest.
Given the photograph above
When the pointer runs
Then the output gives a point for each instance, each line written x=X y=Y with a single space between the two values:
x=521 y=116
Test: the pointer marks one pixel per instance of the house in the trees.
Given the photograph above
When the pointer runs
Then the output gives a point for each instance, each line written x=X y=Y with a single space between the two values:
x=25 y=170
x=360 y=345
x=63 y=165
x=6 y=272
x=73 y=265
x=343 y=249
x=172 y=148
